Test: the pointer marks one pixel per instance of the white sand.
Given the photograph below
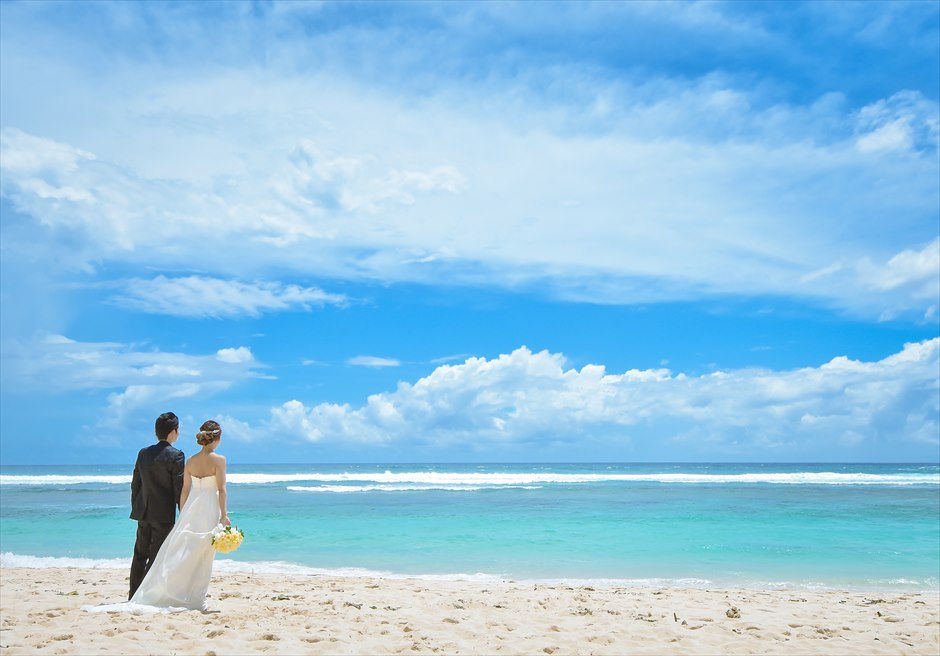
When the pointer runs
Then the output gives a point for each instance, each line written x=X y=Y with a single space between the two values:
x=275 y=614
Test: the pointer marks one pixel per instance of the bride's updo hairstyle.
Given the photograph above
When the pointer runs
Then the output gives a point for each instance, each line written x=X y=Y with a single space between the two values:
x=208 y=433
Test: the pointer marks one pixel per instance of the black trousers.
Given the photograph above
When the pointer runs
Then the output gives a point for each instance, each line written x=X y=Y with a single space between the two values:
x=150 y=536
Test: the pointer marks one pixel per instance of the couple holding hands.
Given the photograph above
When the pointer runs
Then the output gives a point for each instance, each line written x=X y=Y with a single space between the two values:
x=172 y=561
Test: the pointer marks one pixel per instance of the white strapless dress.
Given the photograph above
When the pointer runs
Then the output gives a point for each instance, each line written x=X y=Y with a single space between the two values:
x=179 y=577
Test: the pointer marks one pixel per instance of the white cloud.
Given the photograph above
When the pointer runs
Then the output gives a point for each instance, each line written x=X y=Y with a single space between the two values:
x=235 y=429
x=171 y=370
x=532 y=397
x=372 y=361
x=913 y=268
x=450 y=358
x=905 y=121
x=591 y=182
x=201 y=296
x=401 y=185
x=26 y=154
x=235 y=355
x=895 y=135
x=292 y=419
x=55 y=364
x=592 y=218
x=910 y=275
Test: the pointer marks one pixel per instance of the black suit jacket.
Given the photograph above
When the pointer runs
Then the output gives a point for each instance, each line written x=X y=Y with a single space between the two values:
x=157 y=483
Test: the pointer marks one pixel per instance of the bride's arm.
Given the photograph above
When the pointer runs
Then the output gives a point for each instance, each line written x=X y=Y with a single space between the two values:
x=223 y=495
x=187 y=486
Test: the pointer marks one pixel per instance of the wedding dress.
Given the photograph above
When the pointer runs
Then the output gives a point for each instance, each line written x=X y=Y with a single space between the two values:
x=179 y=577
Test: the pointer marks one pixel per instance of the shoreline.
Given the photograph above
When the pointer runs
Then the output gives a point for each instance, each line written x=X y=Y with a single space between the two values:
x=279 y=613
x=226 y=566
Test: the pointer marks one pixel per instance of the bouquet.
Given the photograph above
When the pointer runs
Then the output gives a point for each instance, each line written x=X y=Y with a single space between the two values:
x=227 y=538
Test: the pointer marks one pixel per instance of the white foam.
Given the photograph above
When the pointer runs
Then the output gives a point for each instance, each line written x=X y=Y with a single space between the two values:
x=519 y=479
x=515 y=479
x=340 y=489
x=12 y=560
x=228 y=565
x=293 y=569
x=55 y=479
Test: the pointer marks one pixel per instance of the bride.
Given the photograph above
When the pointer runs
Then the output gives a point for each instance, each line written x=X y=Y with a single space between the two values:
x=179 y=577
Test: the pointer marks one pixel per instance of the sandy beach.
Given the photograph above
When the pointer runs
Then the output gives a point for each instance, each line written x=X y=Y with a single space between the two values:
x=274 y=614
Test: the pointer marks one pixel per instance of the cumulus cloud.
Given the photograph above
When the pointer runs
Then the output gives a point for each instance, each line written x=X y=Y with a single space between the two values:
x=524 y=397
x=202 y=296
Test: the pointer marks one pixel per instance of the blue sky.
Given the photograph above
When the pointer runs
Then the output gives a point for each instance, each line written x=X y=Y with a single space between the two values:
x=402 y=232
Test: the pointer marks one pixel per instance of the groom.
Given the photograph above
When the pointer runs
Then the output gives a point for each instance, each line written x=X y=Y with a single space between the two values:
x=155 y=495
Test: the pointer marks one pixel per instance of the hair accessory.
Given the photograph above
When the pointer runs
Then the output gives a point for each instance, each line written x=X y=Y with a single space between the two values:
x=208 y=436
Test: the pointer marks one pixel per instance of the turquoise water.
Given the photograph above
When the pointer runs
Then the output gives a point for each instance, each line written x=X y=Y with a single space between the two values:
x=829 y=526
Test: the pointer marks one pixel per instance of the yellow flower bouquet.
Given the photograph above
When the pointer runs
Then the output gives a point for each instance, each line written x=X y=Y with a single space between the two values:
x=227 y=538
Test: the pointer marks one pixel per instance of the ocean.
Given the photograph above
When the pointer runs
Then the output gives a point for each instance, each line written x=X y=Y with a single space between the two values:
x=787 y=526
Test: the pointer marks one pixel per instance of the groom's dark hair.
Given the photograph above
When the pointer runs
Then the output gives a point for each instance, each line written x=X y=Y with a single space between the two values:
x=166 y=424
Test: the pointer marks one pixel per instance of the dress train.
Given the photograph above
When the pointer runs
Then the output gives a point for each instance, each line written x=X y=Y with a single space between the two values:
x=179 y=577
